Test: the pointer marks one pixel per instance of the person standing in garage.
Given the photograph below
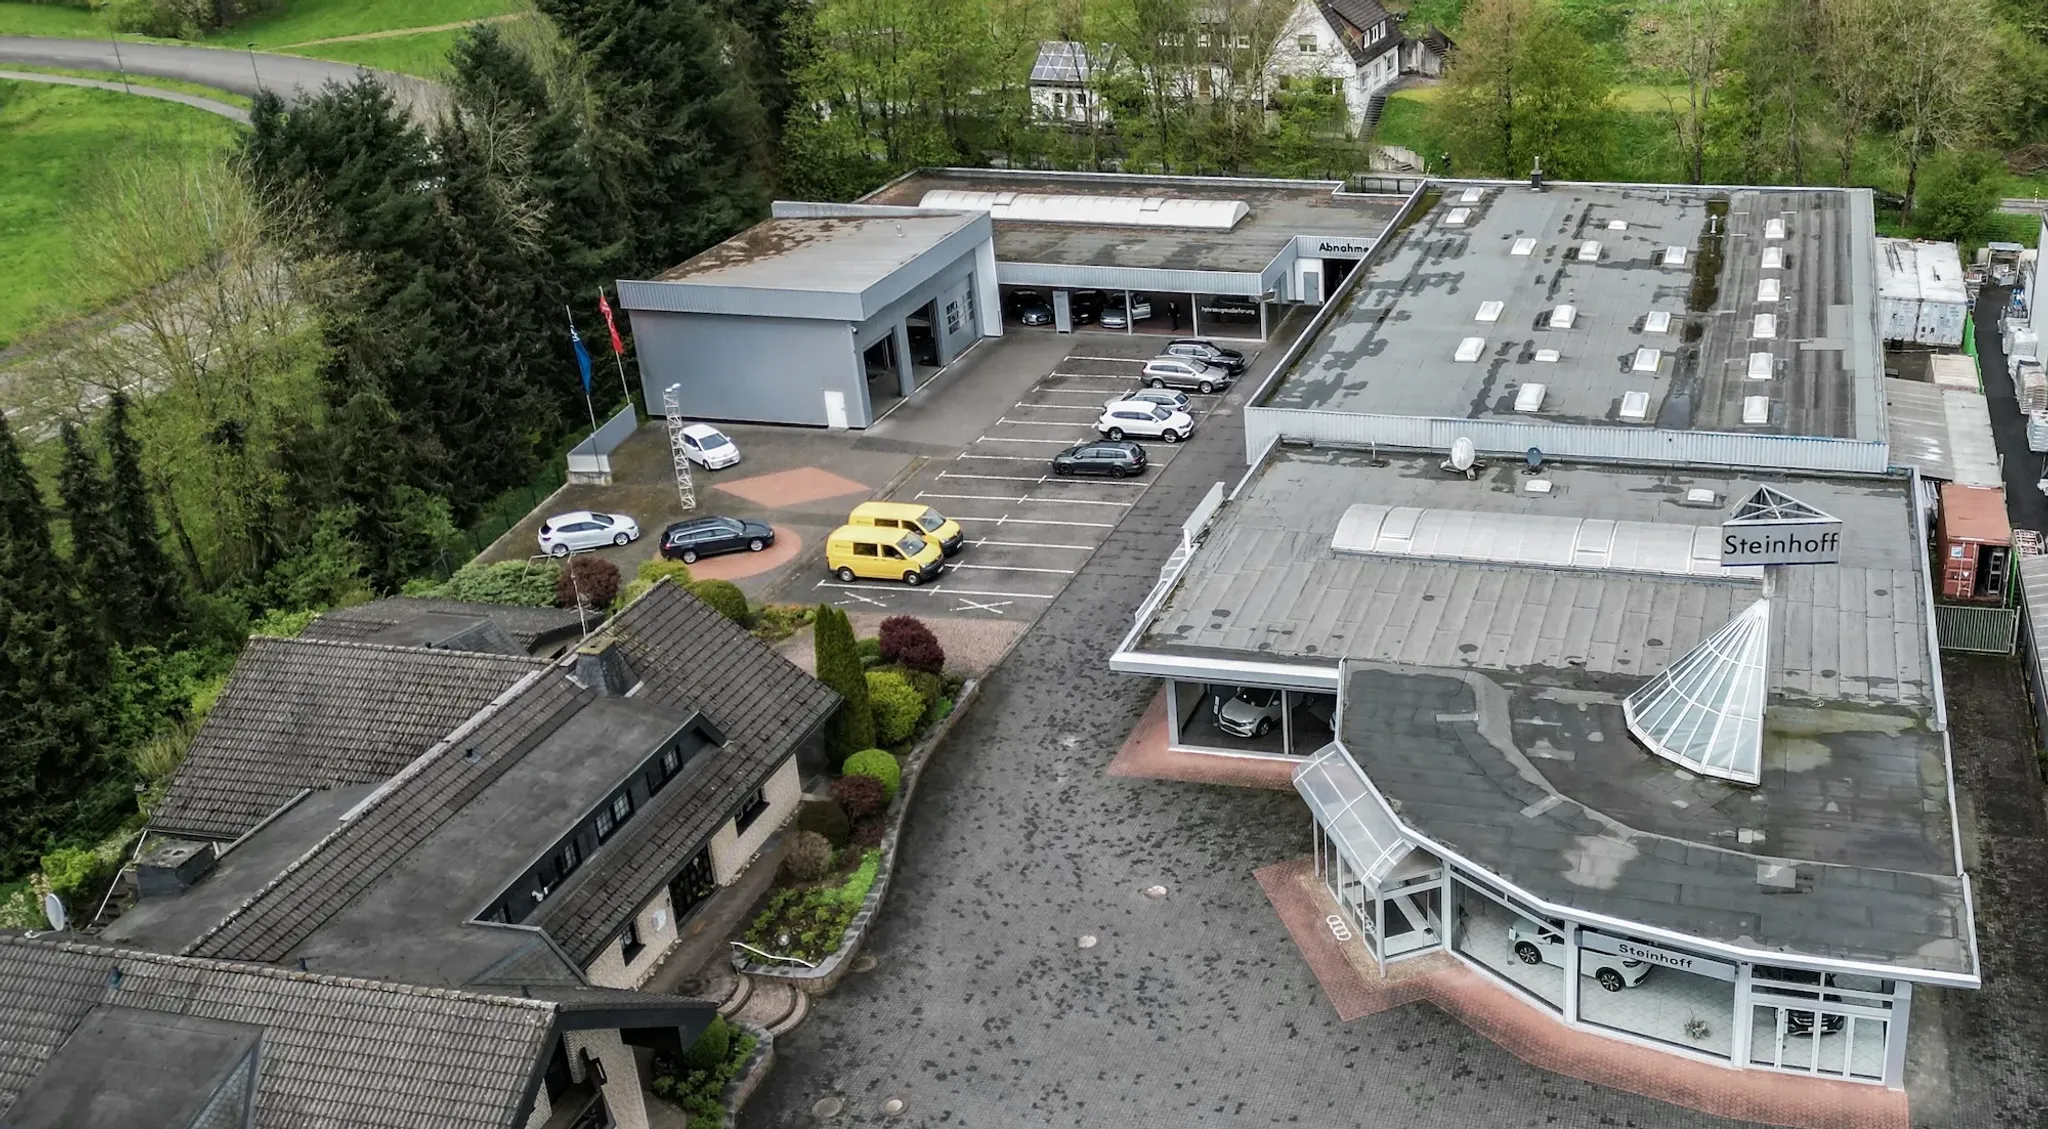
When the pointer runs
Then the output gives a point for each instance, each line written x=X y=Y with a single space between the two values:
x=1173 y=315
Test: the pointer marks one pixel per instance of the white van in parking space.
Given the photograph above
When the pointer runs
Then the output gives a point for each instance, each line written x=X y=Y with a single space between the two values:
x=1533 y=944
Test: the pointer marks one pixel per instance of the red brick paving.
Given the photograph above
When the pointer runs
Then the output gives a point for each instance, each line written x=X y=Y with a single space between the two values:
x=734 y=566
x=1145 y=754
x=797 y=487
x=1356 y=989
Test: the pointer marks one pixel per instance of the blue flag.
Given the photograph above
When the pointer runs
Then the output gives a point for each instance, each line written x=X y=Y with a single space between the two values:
x=582 y=355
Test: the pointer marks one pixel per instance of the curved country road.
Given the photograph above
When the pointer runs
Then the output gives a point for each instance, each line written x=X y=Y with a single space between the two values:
x=211 y=106
x=237 y=71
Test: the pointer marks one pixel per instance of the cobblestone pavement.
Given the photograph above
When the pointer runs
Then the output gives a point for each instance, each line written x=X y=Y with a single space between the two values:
x=984 y=1009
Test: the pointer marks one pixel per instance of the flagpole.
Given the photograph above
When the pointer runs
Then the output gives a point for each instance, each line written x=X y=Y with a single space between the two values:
x=587 y=405
x=616 y=354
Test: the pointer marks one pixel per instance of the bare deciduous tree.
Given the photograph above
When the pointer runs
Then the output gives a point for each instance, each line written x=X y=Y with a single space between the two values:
x=1686 y=40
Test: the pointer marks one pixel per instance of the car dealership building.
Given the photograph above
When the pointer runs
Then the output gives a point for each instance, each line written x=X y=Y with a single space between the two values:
x=1639 y=680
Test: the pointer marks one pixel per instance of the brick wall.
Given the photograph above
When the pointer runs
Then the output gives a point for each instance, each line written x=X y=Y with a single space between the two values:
x=732 y=851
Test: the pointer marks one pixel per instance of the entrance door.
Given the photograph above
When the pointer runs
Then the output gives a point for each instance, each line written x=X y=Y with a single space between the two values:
x=1312 y=286
x=835 y=410
x=693 y=885
x=1062 y=311
x=1412 y=918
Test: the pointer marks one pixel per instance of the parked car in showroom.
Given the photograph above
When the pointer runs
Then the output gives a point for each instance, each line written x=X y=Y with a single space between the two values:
x=1031 y=307
x=1252 y=711
x=1150 y=421
x=1164 y=397
x=1115 y=316
x=1534 y=944
x=709 y=447
x=1800 y=1023
x=1123 y=459
x=1186 y=373
x=710 y=535
x=1207 y=351
x=1085 y=306
x=577 y=530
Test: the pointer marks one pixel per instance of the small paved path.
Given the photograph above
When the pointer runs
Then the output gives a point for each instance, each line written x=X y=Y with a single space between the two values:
x=235 y=113
x=239 y=72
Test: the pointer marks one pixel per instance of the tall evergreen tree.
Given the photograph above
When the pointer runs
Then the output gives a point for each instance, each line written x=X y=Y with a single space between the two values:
x=52 y=667
x=159 y=590
x=837 y=661
x=98 y=557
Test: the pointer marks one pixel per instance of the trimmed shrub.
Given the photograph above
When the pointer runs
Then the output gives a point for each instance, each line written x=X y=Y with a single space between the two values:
x=867 y=834
x=594 y=579
x=725 y=598
x=808 y=857
x=710 y=1050
x=507 y=582
x=929 y=686
x=870 y=651
x=656 y=568
x=879 y=764
x=852 y=728
x=907 y=640
x=859 y=796
x=826 y=818
x=897 y=704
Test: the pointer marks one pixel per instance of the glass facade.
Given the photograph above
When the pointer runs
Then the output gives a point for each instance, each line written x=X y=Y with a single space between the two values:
x=1251 y=719
x=1525 y=950
x=1666 y=994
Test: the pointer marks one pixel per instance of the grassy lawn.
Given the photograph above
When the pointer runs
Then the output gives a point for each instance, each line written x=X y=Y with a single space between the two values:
x=425 y=54
x=140 y=80
x=55 y=138
x=48 y=19
x=296 y=21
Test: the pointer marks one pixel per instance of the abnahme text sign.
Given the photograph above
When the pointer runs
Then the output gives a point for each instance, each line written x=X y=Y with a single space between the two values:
x=1781 y=543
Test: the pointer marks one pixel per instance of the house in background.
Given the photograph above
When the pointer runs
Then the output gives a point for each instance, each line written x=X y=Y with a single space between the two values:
x=1065 y=82
x=116 y=1039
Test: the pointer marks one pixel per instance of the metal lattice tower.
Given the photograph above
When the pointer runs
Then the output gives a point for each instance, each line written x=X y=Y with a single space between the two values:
x=671 y=406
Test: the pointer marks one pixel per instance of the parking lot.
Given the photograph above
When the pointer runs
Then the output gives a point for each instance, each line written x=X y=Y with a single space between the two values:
x=1028 y=531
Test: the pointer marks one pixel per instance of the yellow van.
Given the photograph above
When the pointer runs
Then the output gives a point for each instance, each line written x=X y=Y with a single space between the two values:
x=874 y=553
x=916 y=517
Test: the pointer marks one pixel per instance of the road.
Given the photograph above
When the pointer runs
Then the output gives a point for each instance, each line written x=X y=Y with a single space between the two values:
x=240 y=72
x=211 y=106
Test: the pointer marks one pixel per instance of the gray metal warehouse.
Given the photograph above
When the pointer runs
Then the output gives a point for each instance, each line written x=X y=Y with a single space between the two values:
x=823 y=314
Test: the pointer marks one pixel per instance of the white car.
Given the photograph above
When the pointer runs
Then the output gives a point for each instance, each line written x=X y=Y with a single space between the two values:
x=567 y=533
x=1149 y=421
x=1533 y=944
x=1164 y=397
x=1252 y=711
x=709 y=447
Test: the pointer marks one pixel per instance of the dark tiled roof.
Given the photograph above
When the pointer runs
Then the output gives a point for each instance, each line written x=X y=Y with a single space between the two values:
x=533 y=629
x=1351 y=19
x=334 y=1052
x=692 y=657
x=308 y=713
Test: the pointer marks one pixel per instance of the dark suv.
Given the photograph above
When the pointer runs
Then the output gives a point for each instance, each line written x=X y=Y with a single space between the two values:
x=1114 y=459
x=708 y=536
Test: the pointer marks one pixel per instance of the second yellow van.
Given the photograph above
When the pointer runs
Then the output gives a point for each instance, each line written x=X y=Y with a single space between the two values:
x=871 y=552
x=914 y=516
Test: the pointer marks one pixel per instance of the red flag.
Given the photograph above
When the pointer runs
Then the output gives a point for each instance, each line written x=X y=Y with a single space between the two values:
x=618 y=346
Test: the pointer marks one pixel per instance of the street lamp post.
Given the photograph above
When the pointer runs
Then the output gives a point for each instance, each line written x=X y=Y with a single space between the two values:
x=114 y=37
x=253 y=70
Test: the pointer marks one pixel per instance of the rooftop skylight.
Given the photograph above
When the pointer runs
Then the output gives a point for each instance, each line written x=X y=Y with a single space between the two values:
x=1707 y=711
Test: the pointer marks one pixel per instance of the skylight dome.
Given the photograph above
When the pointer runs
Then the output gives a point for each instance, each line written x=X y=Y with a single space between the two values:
x=1707 y=711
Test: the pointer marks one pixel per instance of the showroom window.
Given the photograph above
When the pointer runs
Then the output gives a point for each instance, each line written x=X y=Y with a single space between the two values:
x=1657 y=992
x=1827 y=1023
x=1252 y=719
x=1228 y=315
x=1521 y=948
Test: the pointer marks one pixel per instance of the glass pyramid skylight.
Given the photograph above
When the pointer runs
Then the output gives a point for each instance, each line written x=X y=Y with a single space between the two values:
x=1707 y=711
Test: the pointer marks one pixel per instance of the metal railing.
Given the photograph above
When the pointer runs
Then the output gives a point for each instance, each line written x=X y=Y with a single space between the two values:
x=1984 y=631
x=744 y=947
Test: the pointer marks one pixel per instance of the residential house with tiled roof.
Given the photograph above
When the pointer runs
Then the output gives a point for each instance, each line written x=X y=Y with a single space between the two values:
x=121 y=1039
x=562 y=832
x=452 y=625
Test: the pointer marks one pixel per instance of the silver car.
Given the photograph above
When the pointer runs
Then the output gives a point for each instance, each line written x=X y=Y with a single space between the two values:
x=1164 y=397
x=1186 y=372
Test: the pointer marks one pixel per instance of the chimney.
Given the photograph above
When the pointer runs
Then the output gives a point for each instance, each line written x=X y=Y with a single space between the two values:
x=1536 y=175
x=172 y=868
x=601 y=667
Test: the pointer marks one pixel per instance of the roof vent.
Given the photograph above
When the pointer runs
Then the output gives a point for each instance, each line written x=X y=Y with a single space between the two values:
x=1563 y=316
x=1777 y=876
x=1523 y=246
x=1774 y=258
x=1548 y=356
x=1458 y=217
x=1767 y=290
x=1489 y=311
x=1589 y=251
x=1774 y=229
x=1635 y=406
x=1647 y=359
x=1674 y=256
x=1759 y=366
x=1701 y=496
x=1472 y=196
x=1536 y=176
x=1529 y=398
x=1766 y=327
x=1658 y=321
x=173 y=867
x=1537 y=486
x=1756 y=410
x=1470 y=348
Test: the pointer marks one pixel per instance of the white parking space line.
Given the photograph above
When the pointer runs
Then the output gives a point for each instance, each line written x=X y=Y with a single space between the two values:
x=1014 y=568
x=1060 y=407
x=1119 y=360
x=1090 y=376
x=1010 y=439
x=1005 y=458
x=938 y=589
x=1043 y=480
x=1035 y=422
x=1006 y=519
x=1031 y=545
x=1005 y=498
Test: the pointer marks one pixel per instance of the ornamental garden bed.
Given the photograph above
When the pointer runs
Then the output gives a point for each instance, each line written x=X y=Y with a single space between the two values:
x=900 y=704
x=716 y=1074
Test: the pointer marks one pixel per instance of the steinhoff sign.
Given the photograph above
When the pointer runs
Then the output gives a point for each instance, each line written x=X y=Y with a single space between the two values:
x=1652 y=954
x=1773 y=528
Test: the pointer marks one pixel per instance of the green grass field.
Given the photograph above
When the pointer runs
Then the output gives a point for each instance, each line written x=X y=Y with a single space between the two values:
x=48 y=19
x=56 y=138
x=425 y=54
x=298 y=21
x=140 y=80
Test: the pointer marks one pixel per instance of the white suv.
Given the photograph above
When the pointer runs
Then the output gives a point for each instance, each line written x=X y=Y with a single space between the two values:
x=1252 y=711
x=1149 y=421
x=1533 y=944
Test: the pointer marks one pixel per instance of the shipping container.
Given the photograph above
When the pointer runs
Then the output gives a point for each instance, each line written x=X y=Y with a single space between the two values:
x=1944 y=299
x=1898 y=289
x=1975 y=543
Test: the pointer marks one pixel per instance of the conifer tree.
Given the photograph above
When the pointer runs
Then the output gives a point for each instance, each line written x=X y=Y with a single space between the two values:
x=52 y=667
x=99 y=559
x=837 y=660
x=159 y=590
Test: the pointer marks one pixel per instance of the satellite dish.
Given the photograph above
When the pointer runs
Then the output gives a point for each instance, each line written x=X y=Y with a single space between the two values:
x=1535 y=458
x=53 y=908
x=1463 y=455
